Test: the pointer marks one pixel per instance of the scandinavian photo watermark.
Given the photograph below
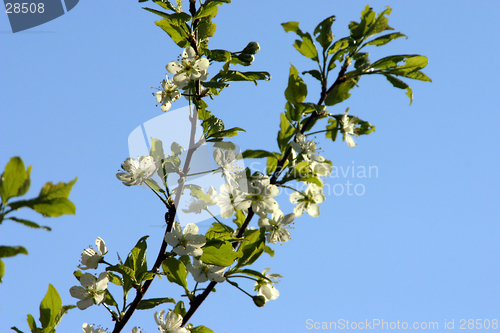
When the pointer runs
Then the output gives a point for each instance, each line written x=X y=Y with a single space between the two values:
x=381 y=324
x=25 y=15
x=343 y=180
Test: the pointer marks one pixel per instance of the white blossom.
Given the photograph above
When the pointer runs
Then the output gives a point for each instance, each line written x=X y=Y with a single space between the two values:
x=90 y=329
x=168 y=94
x=189 y=68
x=266 y=288
x=321 y=168
x=308 y=200
x=137 y=171
x=203 y=272
x=225 y=200
x=92 y=290
x=277 y=226
x=226 y=160
x=187 y=242
x=91 y=257
x=259 y=197
x=348 y=129
x=306 y=148
x=170 y=323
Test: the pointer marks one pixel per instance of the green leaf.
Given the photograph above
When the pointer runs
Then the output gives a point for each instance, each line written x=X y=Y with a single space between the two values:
x=29 y=223
x=13 y=178
x=359 y=30
x=269 y=251
x=324 y=32
x=286 y=133
x=109 y=300
x=218 y=55
x=62 y=312
x=177 y=19
x=254 y=273
x=306 y=47
x=296 y=92
x=11 y=251
x=201 y=329
x=26 y=184
x=157 y=151
x=176 y=271
x=164 y=3
x=380 y=24
x=249 y=153
x=382 y=40
x=221 y=255
x=251 y=247
x=157 y=12
x=365 y=127
x=401 y=85
x=16 y=329
x=332 y=129
x=178 y=35
x=339 y=49
x=32 y=324
x=137 y=258
x=153 y=302
x=410 y=69
x=125 y=271
x=206 y=28
x=115 y=279
x=340 y=44
x=292 y=26
x=340 y=93
x=52 y=201
x=226 y=133
x=220 y=231
x=145 y=276
x=271 y=165
x=209 y=9
x=361 y=61
x=50 y=307
x=2 y=270
x=413 y=62
x=246 y=76
x=315 y=73
x=180 y=309
x=239 y=218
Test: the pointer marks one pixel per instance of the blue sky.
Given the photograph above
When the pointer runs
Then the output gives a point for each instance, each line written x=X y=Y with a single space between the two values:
x=420 y=244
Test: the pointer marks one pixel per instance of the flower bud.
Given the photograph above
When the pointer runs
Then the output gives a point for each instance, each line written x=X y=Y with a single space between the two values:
x=245 y=57
x=259 y=300
x=251 y=48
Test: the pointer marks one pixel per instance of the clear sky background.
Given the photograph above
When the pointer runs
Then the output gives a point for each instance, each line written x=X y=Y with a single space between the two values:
x=420 y=245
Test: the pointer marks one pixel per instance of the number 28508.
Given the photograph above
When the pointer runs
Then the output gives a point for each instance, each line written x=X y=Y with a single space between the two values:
x=24 y=8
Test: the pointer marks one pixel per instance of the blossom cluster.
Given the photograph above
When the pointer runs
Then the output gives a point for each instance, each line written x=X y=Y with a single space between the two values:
x=190 y=68
x=92 y=289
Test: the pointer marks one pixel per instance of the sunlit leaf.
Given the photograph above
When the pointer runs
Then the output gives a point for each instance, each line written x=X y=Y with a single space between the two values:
x=401 y=85
x=296 y=91
x=153 y=302
x=11 y=251
x=382 y=40
x=29 y=223
x=50 y=307
x=323 y=31
x=340 y=93
x=176 y=271
x=221 y=255
x=12 y=179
